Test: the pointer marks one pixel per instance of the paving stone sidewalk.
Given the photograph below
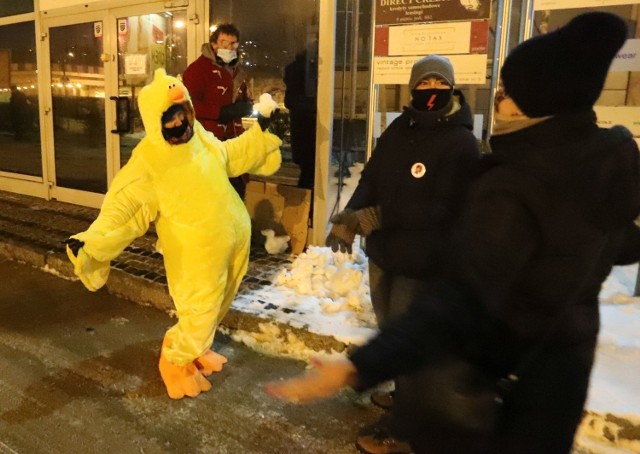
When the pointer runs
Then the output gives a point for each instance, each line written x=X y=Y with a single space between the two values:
x=32 y=230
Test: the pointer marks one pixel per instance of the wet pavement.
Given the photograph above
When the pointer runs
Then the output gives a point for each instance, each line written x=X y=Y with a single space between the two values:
x=79 y=375
x=79 y=368
x=32 y=231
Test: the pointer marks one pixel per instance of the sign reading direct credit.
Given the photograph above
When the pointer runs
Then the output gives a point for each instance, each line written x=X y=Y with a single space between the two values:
x=390 y=12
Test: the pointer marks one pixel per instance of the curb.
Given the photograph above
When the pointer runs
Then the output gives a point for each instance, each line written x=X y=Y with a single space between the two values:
x=154 y=294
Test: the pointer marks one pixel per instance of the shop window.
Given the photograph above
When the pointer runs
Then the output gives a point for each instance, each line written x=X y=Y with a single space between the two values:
x=13 y=7
x=278 y=51
x=19 y=123
x=619 y=102
x=351 y=100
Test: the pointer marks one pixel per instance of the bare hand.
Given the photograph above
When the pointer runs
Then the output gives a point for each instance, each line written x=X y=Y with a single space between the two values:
x=325 y=380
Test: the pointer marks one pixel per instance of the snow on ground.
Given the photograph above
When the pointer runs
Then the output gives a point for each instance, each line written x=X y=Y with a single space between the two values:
x=328 y=293
x=322 y=291
x=612 y=424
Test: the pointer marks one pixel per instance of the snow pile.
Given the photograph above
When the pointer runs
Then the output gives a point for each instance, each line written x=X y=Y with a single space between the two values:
x=339 y=280
x=612 y=421
x=271 y=340
x=327 y=293
x=323 y=292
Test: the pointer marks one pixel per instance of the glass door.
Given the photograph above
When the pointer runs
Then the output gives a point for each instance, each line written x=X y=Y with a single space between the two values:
x=76 y=150
x=147 y=38
x=99 y=61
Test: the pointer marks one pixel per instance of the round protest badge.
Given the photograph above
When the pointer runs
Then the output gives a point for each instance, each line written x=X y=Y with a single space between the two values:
x=418 y=170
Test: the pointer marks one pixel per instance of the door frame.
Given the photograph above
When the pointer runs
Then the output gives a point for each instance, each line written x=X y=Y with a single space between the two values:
x=60 y=193
x=113 y=143
x=109 y=17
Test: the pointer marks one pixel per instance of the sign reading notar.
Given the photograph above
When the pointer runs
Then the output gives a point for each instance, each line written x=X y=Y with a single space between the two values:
x=390 y=12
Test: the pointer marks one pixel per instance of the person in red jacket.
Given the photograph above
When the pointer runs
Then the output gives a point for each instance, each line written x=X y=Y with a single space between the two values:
x=219 y=90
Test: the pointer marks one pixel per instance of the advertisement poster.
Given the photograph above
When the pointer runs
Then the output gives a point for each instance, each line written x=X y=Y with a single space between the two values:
x=135 y=64
x=628 y=116
x=469 y=69
x=539 y=5
x=439 y=38
x=628 y=58
x=393 y=12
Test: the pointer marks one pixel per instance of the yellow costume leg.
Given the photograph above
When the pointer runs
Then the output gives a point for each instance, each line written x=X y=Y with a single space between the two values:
x=198 y=276
x=211 y=361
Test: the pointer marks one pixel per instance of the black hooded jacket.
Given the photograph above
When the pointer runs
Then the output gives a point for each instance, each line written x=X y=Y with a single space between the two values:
x=418 y=210
x=542 y=228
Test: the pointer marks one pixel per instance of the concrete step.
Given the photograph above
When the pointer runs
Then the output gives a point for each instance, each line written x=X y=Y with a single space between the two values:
x=32 y=231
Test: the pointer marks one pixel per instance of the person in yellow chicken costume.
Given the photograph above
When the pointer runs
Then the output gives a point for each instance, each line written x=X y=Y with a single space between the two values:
x=178 y=177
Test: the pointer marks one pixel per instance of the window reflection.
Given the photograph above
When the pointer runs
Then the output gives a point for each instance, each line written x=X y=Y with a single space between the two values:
x=78 y=106
x=351 y=102
x=146 y=43
x=13 y=7
x=19 y=123
x=278 y=50
x=619 y=102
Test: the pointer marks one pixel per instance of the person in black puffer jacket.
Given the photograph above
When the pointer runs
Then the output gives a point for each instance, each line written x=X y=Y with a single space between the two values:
x=542 y=227
x=411 y=190
x=408 y=198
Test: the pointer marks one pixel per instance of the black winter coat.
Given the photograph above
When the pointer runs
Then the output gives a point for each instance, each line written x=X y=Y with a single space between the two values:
x=543 y=225
x=418 y=207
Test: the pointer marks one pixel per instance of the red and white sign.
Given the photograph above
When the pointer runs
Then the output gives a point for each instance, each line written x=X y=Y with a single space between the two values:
x=391 y=12
x=439 y=38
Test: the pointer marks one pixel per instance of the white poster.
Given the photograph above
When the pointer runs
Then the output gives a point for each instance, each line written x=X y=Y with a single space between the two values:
x=539 y=5
x=444 y=38
x=97 y=29
x=628 y=116
x=135 y=64
x=628 y=58
x=53 y=4
x=469 y=69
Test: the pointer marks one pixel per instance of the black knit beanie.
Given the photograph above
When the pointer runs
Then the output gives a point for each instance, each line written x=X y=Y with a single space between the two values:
x=564 y=71
x=170 y=112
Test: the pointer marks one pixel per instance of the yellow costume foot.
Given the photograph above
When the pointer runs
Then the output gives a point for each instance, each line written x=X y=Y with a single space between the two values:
x=182 y=381
x=210 y=362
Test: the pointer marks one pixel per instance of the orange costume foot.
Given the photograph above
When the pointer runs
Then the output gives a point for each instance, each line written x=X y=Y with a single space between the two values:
x=210 y=362
x=182 y=381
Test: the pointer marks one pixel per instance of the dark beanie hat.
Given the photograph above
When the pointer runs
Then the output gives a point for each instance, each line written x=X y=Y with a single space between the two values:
x=565 y=70
x=170 y=112
x=431 y=65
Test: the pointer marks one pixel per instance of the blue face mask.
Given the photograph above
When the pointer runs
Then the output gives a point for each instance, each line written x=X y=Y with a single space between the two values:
x=431 y=99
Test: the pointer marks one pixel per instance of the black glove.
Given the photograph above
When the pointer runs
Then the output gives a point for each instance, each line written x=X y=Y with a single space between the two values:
x=343 y=232
x=74 y=244
x=235 y=111
x=264 y=122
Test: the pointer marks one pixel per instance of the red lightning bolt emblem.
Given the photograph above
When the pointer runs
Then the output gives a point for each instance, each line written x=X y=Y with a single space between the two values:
x=431 y=103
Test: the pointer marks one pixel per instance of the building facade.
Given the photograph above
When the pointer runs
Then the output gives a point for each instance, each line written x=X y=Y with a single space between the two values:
x=70 y=72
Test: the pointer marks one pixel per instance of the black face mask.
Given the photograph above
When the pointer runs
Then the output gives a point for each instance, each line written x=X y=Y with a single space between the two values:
x=174 y=135
x=431 y=99
x=176 y=132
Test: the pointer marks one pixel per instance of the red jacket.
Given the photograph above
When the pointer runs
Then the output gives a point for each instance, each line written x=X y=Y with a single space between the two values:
x=211 y=86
